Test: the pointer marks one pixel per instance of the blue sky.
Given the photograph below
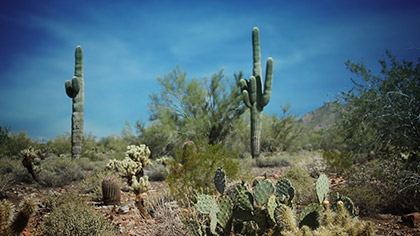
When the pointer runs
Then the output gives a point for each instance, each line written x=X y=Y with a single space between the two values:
x=128 y=44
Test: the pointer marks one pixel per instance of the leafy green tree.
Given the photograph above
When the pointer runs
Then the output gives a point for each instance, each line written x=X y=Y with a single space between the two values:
x=383 y=112
x=196 y=108
x=12 y=143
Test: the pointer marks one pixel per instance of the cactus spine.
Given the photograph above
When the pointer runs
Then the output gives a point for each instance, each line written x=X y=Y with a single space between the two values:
x=111 y=192
x=254 y=96
x=16 y=226
x=75 y=90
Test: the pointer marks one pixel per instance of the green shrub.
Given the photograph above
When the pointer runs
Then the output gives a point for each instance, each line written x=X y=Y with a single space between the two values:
x=12 y=143
x=280 y=133
x=303 y=183
x=337 y=162
x=156 y=172
x=61 y=144
x=195 y=169
x=71 y=216
x=272 y=161
x=59 y=171
x=14 y=170
x=383 y=186
x=161 y=138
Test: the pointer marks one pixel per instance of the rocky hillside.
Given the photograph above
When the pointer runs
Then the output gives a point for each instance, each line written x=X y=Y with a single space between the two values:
x=321 y=118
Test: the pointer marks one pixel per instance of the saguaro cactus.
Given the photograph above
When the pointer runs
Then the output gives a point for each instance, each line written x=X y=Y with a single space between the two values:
x=253 y=94
x=75 y=90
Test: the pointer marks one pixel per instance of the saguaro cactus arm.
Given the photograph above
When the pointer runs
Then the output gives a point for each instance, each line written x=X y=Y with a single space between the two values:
x=268 y=82
x=72 y=87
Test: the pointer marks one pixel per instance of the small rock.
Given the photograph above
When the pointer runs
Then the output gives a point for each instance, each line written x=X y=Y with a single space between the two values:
x=123 y=210
x=412 y=219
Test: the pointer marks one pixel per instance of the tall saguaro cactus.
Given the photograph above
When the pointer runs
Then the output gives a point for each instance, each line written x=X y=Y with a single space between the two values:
x=75 y=90
x=253 y=94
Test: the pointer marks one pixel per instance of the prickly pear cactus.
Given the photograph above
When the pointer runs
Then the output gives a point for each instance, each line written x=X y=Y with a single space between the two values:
x=220 y=180
x=271 y=207
x=262 y=190
x=207 y=205
x=225 y=211
x=75 y=90
x=260 y=212
x=111 y=192
x=322 y=187
x=255 y=98
x=348 y=205
x=310 y=216
x=284 y=190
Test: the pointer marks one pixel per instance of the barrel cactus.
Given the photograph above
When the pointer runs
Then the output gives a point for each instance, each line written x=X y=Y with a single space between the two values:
x=255 y=98
x=111 y=192
x=75 y=90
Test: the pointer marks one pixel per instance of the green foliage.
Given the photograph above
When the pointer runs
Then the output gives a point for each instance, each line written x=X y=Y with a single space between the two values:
x=12 y=143
x=272 y=161
x=59 y=171
x=254 y=96
x=280 y=133
x=186 y=109
x=303 y=184
x=383 y=185
x=113 y=144
x=61 y=144
x=382 y=111
x=196 y=170
x=157 y=171
x=381 y=115
x=337 y=162
x=12 y=171
x=72 y=216
x=161 y=136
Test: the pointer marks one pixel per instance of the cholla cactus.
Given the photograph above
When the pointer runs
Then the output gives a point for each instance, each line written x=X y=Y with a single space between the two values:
x=31 y=162
x=136 y=158
x=9 y=227
x=140 y=186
